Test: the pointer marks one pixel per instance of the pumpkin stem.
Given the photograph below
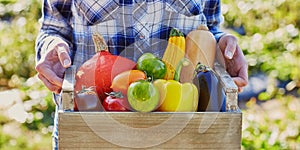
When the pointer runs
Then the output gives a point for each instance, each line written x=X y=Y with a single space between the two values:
x=99 y=43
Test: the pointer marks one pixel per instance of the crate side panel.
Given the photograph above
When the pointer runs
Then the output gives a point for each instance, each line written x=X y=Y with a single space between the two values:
x=97 y=130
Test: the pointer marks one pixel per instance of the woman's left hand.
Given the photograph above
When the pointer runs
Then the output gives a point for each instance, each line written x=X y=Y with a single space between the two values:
x=235 y=60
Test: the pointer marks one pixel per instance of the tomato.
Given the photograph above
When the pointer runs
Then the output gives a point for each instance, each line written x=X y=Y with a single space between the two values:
x=153 y=66
x=113 y=103
x=145 y=56
x=143 y=96
x=122 y=81
x=87 y=100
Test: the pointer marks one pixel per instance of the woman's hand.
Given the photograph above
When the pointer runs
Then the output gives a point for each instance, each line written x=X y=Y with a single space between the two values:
x=236 y=63
x=52 y=65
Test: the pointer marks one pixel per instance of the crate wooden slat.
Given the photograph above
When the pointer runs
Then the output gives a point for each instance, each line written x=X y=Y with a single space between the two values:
x=109 y=130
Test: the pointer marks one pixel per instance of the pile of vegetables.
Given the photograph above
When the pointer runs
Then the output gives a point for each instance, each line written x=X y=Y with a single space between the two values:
x=108 y=82
x=95 y=75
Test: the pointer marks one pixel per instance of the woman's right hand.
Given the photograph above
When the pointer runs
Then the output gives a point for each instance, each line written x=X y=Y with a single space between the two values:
x=53 y=63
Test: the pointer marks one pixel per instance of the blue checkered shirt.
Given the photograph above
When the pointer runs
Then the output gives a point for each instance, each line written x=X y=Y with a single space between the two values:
x=129 y=27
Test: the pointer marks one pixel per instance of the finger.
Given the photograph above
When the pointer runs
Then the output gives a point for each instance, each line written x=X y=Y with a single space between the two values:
x=63 y=55
x=240 y=89
x=240 y=82
x=49 y=75
x=49 y=85
x=230 y=47
x=243 y=73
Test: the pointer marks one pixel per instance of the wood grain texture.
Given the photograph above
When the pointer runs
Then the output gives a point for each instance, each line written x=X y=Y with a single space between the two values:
x=158 y=130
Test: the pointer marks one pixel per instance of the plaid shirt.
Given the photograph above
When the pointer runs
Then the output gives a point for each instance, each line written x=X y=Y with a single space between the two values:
x=129 y=27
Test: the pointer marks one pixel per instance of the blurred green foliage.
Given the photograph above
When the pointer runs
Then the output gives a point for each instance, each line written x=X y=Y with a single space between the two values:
x=273 y=125
x=270 y=39
x=27 y=120
x=18 y=30
x=268 y=33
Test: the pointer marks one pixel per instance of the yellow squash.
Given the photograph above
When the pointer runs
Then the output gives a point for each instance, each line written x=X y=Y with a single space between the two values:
x=174 y=52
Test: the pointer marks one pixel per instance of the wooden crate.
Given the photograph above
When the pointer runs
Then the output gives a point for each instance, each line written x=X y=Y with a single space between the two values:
x=155 y=130
x=104 y=130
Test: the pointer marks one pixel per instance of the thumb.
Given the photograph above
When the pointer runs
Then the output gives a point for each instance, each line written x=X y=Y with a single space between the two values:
x=230 y=50
x=63 y=55
x=230 y=43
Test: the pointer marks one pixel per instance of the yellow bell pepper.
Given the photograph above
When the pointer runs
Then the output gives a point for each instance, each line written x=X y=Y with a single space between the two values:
x=175 y=96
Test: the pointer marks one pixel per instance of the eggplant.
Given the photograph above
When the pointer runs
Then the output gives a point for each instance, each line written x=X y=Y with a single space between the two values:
x=212 y=97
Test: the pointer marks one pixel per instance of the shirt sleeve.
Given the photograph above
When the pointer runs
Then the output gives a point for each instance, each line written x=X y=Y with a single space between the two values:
x=55 y=23
x=213 y=14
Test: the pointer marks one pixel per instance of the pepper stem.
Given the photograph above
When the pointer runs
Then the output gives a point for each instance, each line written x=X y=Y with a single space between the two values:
x=85 y=89
x=115 y=94
x=183 y=62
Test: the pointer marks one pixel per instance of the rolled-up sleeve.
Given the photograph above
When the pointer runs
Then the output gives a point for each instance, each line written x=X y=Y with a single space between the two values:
x=213 y=14
x=55 y=23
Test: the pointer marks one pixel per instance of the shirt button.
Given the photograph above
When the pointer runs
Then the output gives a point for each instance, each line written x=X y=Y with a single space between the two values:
x=142 y=36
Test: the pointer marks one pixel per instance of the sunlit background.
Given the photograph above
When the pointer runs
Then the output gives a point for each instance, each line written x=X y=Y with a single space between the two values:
x=268 y=33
